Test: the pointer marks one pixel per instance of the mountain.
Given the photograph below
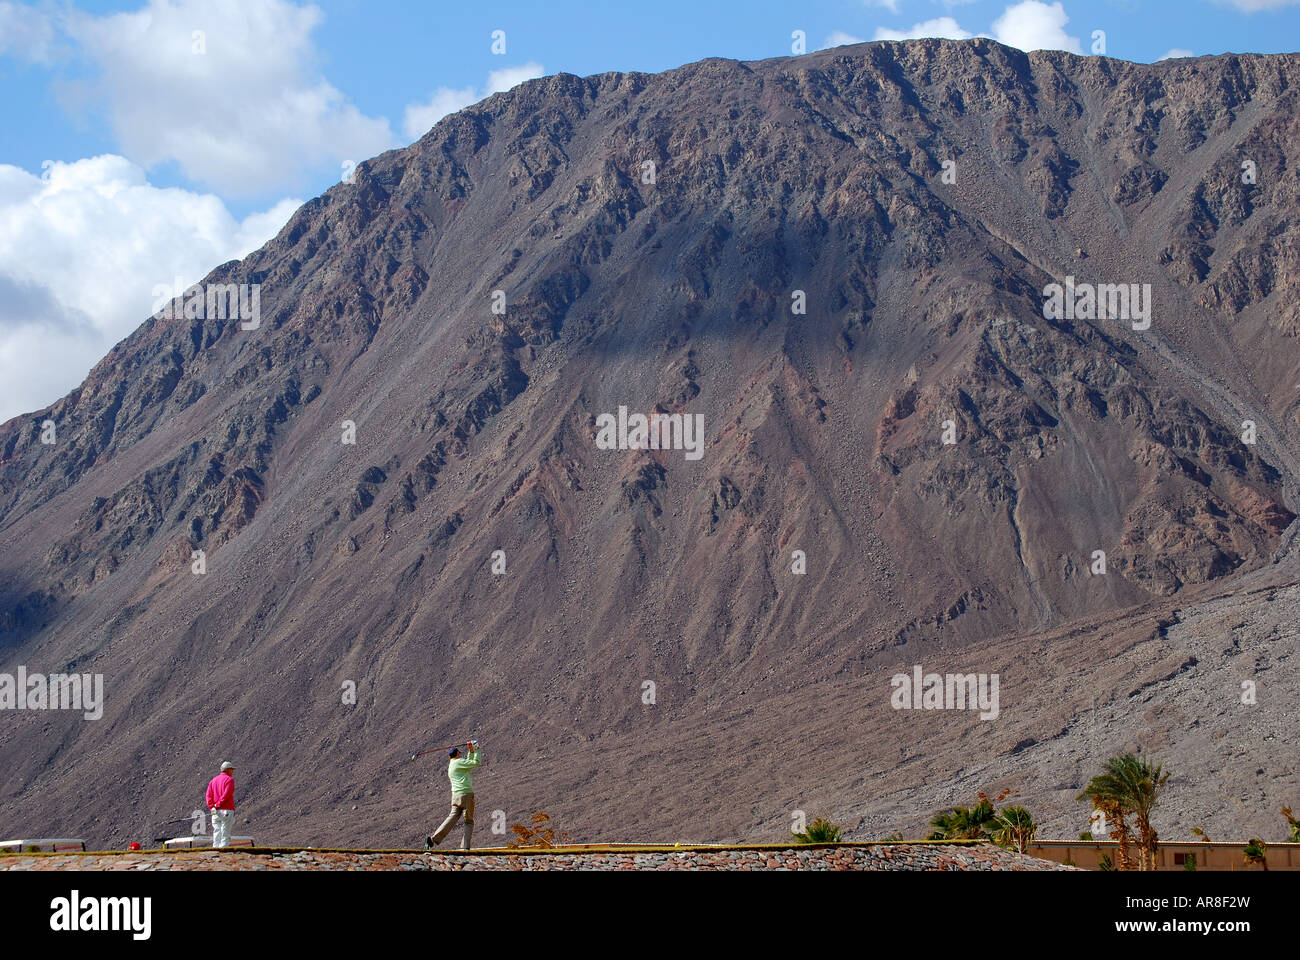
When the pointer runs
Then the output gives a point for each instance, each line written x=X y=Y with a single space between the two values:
x=836 y=263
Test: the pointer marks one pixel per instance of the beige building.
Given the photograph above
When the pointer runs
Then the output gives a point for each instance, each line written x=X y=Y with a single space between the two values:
x=1214 y=855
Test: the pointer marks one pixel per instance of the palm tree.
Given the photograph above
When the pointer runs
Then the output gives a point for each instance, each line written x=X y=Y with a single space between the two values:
x=1114 y=812
x=1146 y=780
x=1109 y=794
x=963 y=823
x=1130 y=785
x=1014 y=827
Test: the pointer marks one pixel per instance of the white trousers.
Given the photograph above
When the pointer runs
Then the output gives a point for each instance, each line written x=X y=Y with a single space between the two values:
x=221 y=820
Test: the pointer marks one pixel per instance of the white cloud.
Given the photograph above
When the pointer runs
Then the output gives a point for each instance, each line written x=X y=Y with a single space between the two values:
x=249 y=114
x=81 y=249
x=1175 y=53
x=25 y=33
x=945 y=27
x=1035 y=26
x=1254 y=6
x=890 y=5
x=1030 y=25
x=838 y=39
x=420 y=117
x=502 y=80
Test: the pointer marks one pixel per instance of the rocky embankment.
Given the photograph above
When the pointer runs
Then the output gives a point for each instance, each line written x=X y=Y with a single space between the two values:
x=841 y=857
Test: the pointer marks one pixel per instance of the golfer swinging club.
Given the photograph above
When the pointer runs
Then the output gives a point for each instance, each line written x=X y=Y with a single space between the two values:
x=460 y=772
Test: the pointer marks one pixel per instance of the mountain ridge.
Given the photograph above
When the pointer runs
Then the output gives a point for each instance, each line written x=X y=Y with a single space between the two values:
x=371 y=563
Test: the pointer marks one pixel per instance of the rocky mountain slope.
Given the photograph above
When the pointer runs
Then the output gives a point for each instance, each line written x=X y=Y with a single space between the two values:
x=838 y=261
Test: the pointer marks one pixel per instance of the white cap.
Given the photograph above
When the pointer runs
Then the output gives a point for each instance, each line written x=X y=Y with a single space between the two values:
x=227 y=765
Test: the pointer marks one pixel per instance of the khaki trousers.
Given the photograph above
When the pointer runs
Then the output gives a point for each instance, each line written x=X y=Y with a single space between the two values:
x=221 y=827
x=460 y=803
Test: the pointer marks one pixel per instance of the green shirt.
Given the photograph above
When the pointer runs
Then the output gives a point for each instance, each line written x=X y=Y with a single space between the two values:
x=460 y=771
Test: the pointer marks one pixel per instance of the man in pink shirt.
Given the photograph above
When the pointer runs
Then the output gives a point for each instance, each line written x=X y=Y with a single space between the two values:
x=221 y=804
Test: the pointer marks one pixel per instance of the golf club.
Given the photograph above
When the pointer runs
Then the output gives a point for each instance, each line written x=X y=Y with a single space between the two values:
x=424 y=753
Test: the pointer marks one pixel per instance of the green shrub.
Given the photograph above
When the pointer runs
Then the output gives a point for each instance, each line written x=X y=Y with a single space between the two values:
x=820 y=830
x=1255 y=852
x=1293 y=825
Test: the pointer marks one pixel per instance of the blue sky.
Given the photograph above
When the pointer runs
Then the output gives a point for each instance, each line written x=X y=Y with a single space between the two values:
x=136 y=151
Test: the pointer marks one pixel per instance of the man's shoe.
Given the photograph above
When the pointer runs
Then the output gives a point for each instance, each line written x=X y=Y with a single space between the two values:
x=428 y=843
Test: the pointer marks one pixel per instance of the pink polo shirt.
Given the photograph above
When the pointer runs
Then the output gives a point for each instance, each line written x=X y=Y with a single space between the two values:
x=221 y=792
